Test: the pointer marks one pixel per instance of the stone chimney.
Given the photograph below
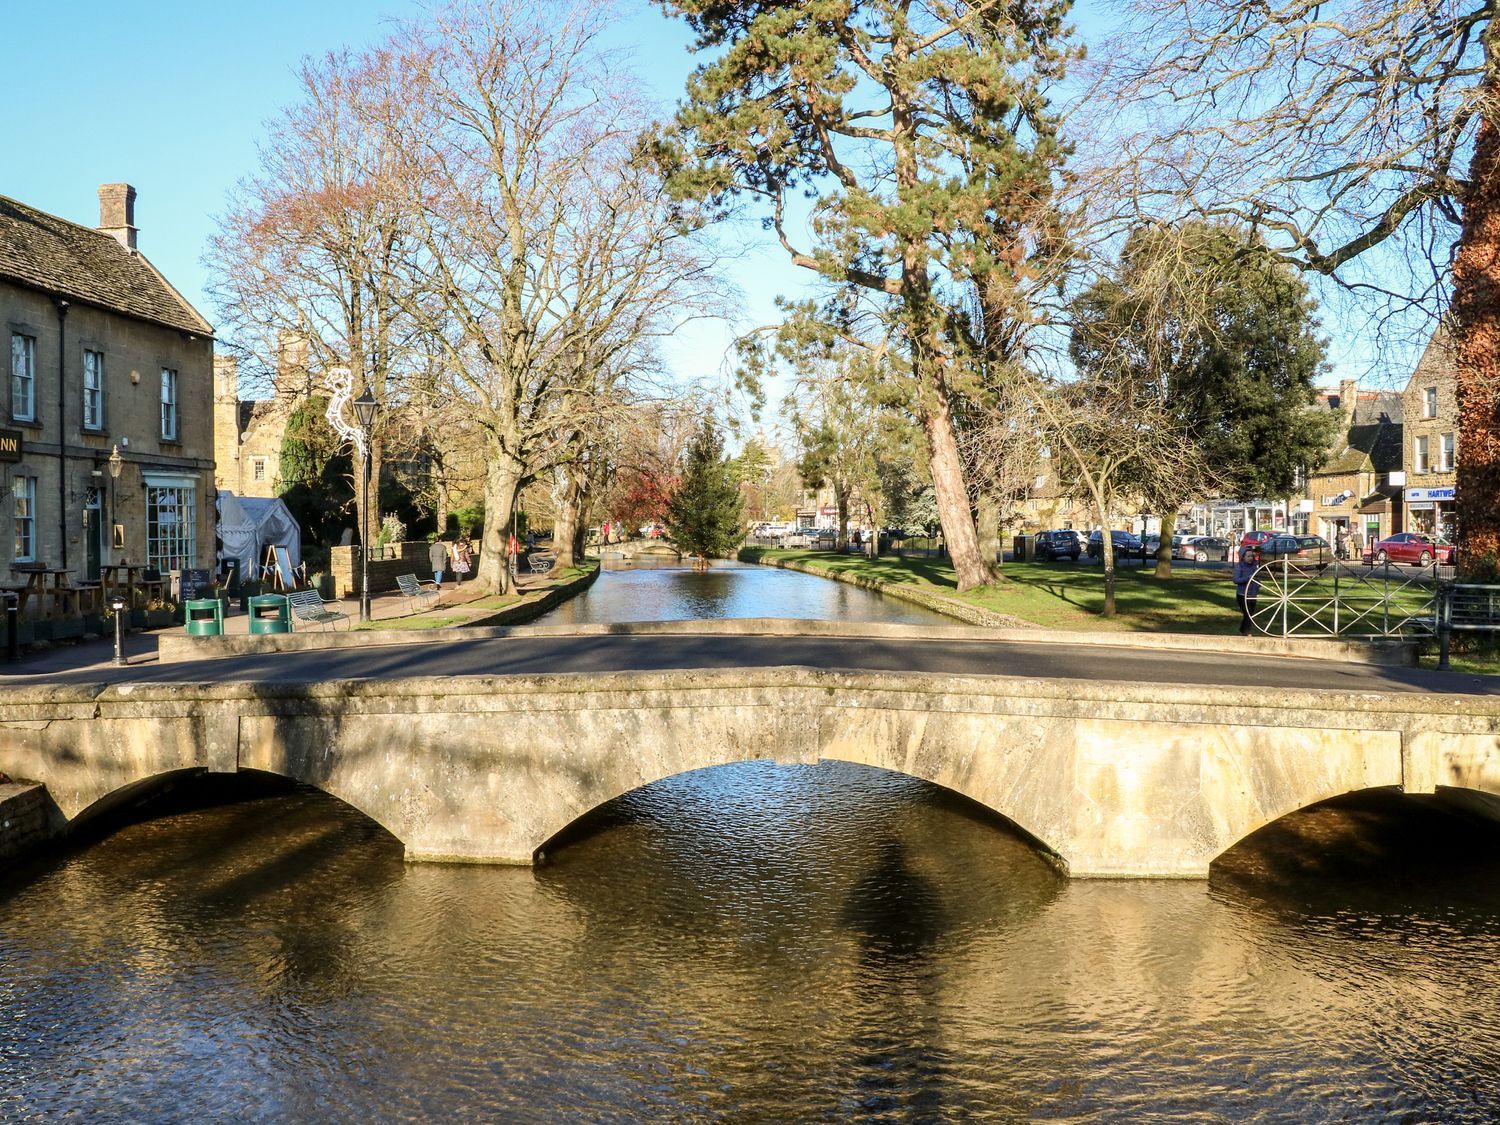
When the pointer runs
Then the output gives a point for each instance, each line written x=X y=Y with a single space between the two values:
x=1348 y=400
x=117 y=213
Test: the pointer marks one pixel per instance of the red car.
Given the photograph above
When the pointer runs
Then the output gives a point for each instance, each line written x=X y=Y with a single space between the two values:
x=1415 y=548
x=1253 y=539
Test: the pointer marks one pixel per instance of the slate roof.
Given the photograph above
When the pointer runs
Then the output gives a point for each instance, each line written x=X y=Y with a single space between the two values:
x=44 y=252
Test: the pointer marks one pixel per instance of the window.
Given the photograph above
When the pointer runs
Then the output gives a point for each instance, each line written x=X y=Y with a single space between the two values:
x=1447 y=447
x=168 y=405
x=171 y=526
x=93 y=390
x=1420 y=463
x=23 y=377
x=258 y=468
x=1429 y=403
x=25 y=490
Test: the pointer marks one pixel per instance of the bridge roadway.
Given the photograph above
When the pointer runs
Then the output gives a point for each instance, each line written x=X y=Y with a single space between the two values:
x=550 y=650
x=1118 y=761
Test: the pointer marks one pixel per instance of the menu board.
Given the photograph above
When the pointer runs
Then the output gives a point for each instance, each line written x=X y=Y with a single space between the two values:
x=193 y=583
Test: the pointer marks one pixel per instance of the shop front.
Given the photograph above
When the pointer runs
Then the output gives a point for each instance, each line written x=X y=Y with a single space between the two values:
x=1430 y=511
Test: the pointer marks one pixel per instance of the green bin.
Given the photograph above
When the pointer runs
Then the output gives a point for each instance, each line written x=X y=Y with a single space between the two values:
x=270 y=613
x=204 y=617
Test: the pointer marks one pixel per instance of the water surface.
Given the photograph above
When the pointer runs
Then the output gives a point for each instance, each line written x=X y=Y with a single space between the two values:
x=650 y=590
x=748 y=943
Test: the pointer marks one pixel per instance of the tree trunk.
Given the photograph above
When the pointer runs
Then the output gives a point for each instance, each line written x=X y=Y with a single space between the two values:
x=565 y=525
x=1107 y=546
x=841 y=502
x=987 y=520
x=1164 y=549
x=1476 y=332
x=502 y=484
x=952 y=496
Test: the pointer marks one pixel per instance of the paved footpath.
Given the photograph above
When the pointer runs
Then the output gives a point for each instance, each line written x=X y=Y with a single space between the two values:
x=526 y=652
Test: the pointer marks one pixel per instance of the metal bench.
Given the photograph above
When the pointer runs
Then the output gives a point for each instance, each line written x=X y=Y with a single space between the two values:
x=1468 y=607
x=417 y=596
x=540 y=563
x=309 y=607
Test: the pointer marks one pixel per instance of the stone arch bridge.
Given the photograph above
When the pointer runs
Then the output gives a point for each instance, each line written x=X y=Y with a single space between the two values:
x=1113 y=779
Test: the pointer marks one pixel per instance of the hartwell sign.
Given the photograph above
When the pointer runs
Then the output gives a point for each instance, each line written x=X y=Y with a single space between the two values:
x=1429 y=494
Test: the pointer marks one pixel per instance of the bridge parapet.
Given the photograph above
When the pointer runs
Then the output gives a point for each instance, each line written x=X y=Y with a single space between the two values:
x=1115 y=779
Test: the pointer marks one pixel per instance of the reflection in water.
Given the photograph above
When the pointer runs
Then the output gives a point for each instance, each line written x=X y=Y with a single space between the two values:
x=676 y=592
x=748 y=943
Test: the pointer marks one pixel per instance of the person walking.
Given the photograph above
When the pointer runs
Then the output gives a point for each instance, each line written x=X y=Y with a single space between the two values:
x=1246 y=590
x=1340 y=543
x=437 y=555
x=463 y=558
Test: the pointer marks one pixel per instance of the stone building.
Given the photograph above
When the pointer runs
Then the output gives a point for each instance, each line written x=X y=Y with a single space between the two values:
x=1430 y=408
x=248 y=433
x=1357 y=490
x=104 y=355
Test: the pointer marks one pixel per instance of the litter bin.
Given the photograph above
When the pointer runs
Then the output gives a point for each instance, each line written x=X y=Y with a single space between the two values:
x=270 y=613
x=204 y=617
x=1023 y=548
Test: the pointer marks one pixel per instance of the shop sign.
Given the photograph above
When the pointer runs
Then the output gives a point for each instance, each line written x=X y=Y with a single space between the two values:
x=11 y=445
x=1419 y=494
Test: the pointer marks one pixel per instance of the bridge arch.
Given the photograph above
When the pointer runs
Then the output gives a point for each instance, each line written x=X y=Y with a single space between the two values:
x=584 y=823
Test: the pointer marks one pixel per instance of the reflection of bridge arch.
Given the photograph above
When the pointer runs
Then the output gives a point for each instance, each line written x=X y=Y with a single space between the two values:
x=1116 y=779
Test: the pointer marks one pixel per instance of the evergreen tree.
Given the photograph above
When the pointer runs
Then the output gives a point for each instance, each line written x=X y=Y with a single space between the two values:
x=1222 y=334
x=315 y=474
x=925 y=135
x=705 y=514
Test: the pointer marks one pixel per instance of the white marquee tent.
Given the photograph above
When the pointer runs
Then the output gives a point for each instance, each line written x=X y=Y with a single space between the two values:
x=250 y=524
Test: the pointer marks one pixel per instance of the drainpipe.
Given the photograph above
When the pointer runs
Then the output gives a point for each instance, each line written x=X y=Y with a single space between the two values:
x=62 y=433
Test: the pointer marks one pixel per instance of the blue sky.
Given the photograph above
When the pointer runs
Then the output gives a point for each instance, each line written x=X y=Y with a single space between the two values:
x=172 y=97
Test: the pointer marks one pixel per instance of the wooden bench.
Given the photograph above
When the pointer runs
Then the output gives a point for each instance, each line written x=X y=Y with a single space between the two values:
x=417 y=596
x=308 y=606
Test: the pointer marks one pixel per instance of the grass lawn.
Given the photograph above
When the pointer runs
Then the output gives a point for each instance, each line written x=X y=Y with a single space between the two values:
x=1058 y=595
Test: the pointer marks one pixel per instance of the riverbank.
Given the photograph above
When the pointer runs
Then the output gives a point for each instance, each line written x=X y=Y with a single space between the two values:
x=1051 y=595
x=478 y=613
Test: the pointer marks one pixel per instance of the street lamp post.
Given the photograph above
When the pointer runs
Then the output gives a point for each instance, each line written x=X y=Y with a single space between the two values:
x=364 y=412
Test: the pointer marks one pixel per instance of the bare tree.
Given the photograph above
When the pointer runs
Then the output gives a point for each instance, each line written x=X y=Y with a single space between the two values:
x=547 y=251
x=1361 y=139
x=309 y=246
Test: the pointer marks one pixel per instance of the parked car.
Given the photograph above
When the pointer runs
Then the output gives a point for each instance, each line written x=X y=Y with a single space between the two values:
x=1061 y=544
x=1204 y=548
x=1126 y=545
x=1416 y=548
x=1307 y=552
x=1255 y=538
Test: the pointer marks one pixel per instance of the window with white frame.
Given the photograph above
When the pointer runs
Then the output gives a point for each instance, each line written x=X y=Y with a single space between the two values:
x=1429 y=403
x=93 y=389
x=171 y=526
x=22 y=377
x=168 y=404
x=1447 y=448
x=258 y=468
x=25 y=493
x=1420 y=460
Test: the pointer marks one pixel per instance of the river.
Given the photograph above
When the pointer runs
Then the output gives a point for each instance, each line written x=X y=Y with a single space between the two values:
x=744 y=944
x=650 y=589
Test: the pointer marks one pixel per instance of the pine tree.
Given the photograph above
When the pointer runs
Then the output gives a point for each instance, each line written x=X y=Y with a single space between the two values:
x=705 y=514
x=925 y=135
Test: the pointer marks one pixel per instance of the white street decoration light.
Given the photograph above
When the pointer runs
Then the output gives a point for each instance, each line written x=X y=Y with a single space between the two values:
x=339 y=382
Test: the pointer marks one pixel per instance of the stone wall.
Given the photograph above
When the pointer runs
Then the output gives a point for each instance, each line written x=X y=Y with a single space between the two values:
x=28 y=820
x=410 y=558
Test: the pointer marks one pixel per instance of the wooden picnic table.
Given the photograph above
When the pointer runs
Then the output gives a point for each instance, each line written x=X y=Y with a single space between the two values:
x=127 y=576
x=50 y=590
